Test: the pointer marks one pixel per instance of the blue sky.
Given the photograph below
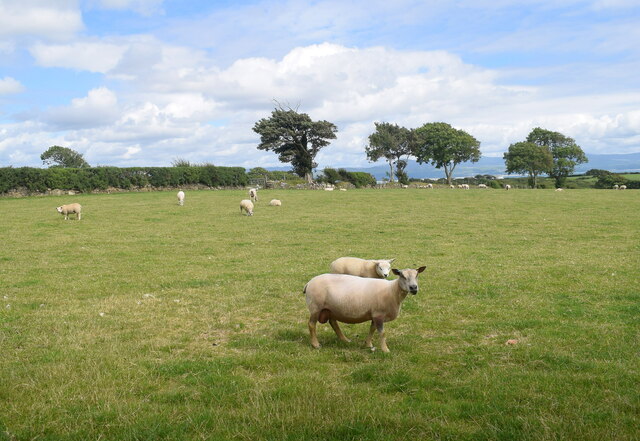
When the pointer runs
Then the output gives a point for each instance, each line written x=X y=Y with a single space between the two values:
x=144 y=82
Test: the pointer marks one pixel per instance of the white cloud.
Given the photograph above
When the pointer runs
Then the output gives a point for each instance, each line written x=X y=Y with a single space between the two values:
x=10 y=85
x=98 y=108
x=144 y=7
x=89 y=56
x=56 y=20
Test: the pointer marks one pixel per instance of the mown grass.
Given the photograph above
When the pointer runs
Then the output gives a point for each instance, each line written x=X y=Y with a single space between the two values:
x=147 y=320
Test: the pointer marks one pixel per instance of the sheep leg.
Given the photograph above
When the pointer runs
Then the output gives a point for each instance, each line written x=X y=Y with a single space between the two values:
x=313 y=320
x=377 y=323
x=338 y=331
x=372 y=329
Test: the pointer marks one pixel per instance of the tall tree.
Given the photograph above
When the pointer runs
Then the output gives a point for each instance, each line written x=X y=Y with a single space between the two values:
x=295 y=138
x=391 y=142
x=529 y=158
x=56 y=156
x=445 y=147
x=566 y=153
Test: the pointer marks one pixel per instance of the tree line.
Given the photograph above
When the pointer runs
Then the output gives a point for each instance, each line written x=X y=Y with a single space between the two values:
x=297 y=139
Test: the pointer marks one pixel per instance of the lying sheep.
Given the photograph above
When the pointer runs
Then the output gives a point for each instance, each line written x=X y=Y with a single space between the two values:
x=375 y=269
x=181 y=197
x=275 y=202
x=253 y=194
x=66 y=210
x=559 y=189
x=247 y=206
x=352 y=299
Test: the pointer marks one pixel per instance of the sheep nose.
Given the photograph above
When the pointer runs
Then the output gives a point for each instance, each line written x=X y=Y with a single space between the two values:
x=413 y=289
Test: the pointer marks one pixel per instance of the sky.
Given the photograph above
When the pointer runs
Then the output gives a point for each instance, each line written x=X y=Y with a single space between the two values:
x=148 y=82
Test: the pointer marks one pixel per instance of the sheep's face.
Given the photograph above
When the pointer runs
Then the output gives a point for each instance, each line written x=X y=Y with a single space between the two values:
x=383 y=268
x=409 y=279
x=59 y=209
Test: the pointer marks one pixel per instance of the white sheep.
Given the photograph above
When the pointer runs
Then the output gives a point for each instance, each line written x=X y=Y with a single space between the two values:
x=615 y=187
x=429 y=185
x=452 y=186
x=66 y=210
x=352 y=299
x=253 y=194
x=181 y=197
x=405 y=186
x=507 y=187
x=328 y=188
x=247 y=206
x=559 y=189
x=275 y=202
x=465 y=186
x=623 y=187
x=376 y=269
x=482 y=185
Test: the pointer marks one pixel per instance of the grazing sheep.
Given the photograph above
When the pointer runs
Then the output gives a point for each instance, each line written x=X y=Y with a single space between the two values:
x=452 y=186
x=353 y=299
x=181 y=197
x=375 y=269
x=623 y=187
x=482 y=185
x=507 y=187
x=66 y=210
x=247 y=206
x=465 y=186
x=615 y=187
x=429 y=185
x=253 y=194
x=275 y=202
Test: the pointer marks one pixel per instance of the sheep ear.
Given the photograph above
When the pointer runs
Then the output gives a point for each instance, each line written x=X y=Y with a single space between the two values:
x=397 y=272
x=391 y=260
x=422 y=268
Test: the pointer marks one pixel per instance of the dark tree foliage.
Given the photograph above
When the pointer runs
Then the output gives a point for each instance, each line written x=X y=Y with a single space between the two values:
x=445 y=147
x=56 y=156
x=391 y=142
x=528 y=158
x=566 y=153
x=295 y=138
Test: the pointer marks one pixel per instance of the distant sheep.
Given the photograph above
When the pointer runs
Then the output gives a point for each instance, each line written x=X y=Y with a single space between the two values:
x=482 y=185
x=375 y=269
x=507 y=187
x=559 y=189
x=616 y=187
x=253 y=194
x=275 y=202
x=429 y=185
x=623 y=187
x=328 y=189
x=465 y=186
x=247 y=206
x=181 y=197
x=352 y=299
x=66 y=210
x=452 y=186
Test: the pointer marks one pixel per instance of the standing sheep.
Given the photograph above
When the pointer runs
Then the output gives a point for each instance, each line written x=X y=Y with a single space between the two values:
x=181 y=197
x=253 y=194
x=247 y=206
x=66 y=210
x=352 y=299
x=275 y=202
x=375 y=269
x=623 y=187
x=507 y=187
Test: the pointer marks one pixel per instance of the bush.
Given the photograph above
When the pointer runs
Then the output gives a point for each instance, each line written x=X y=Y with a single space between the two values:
x=608 y=181
x=101 y=178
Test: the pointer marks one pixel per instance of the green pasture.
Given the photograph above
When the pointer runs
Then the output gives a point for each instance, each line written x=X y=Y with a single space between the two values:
x=150 y=321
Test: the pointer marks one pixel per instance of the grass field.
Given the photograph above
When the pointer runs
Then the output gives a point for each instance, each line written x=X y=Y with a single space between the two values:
x=146 y=320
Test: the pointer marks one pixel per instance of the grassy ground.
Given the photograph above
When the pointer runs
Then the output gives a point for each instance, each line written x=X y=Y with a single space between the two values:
x=147 y=320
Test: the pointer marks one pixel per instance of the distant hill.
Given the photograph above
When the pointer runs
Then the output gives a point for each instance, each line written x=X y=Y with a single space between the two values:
x=495 y=166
